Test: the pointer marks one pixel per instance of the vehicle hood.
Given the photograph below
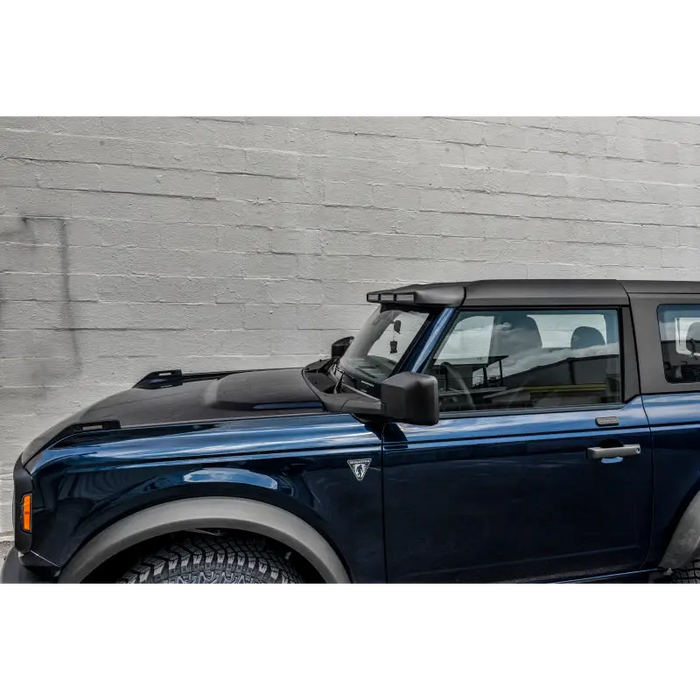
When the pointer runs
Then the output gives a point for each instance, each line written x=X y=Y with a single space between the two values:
x=243 y=394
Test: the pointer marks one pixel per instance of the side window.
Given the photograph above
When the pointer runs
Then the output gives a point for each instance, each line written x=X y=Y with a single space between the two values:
x=680 y=342
x=519 y=359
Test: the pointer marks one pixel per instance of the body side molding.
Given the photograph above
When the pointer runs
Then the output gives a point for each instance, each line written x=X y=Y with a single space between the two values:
x=208 y=512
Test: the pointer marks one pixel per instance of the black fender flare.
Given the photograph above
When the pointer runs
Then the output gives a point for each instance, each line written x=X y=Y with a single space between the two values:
x=208 y=512
x=685 y=542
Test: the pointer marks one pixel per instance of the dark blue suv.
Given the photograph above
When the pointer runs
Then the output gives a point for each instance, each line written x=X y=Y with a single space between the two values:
x=514 y=430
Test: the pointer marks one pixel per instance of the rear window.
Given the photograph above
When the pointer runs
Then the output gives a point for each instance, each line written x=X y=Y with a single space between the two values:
x=679 y=326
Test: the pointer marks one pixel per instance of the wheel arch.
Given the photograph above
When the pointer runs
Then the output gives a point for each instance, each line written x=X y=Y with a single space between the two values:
x=233 y=513
x=685 y=541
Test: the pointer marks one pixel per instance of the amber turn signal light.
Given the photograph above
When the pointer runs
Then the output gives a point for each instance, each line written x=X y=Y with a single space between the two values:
x=27 y=512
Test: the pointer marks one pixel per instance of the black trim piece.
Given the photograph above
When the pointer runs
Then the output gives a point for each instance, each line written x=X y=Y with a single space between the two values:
x=660 y=287
x=12 y=571
x=590 y=408
x=685 y=542
x=82 y=429
x=22 y=484
x=175 y=377
x=570 y=293
x=628 y=357
x=512 y=292
x=195 y=513
x=439 y=294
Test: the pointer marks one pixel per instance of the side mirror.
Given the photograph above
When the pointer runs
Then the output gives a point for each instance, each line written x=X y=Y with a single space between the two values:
x=410 y=397
x=340 y=346
x=407 y=397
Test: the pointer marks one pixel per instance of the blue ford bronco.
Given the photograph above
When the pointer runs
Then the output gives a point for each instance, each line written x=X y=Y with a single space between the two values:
x=513 y=430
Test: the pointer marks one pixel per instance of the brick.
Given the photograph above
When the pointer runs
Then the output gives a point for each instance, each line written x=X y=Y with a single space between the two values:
x=185 y=263
x=270 y=266
x=134 y=234
x=348 y=194
x=271 y=137
x=20 y=257
x=340 y=169
x=276 y=163
x=33 y=286
x=342 y=292
x=340 y=267
x=101 y=260
x=277 y=189
x=355 y=219
x=188 y=290
x=218 y=117
x=371 y=147
x=289 y=122
x=196 y=237
x=243 y=240
x=166 y=129
x=239 y=343
x=138 y=207
x=221 y=213
x=16 y=173
x=36 y=343
x=82 y=126
x=22 y=202
x=21 y=372
x=118 y=178
x=330 y=317
x=297 y=242
x=215 y=159
x=69 y=176
x=294 y=291
x=264 y=316
x=39 y=146
x=395 y=197
x=241 y=291
x=304 y=342
x=407 y=127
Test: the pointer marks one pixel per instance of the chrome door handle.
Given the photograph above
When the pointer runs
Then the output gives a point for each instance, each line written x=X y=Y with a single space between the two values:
x=613 y=452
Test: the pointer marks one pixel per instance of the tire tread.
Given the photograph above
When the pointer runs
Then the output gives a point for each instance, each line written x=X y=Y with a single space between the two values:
x=689 y=574
x=205 y=559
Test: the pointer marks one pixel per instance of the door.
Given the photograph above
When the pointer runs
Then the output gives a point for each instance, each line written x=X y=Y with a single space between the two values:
x=539 y=467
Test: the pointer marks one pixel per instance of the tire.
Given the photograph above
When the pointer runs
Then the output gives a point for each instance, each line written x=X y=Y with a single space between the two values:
x=213 y=560
x=689 y=574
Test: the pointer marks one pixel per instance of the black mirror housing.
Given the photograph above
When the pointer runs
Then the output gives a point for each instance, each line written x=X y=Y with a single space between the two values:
x=410 y=397
x=340 y=346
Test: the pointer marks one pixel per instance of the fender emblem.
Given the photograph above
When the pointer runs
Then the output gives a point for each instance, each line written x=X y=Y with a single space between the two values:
x=359 y=467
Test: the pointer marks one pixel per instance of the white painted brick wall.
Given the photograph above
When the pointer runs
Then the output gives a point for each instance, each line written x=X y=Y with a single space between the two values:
x=227 y=243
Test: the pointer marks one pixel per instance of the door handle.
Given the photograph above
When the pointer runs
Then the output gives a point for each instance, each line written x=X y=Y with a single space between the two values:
x=612 y=452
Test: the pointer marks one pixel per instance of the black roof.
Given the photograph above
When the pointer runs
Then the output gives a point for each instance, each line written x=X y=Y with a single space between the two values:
x=574 y=292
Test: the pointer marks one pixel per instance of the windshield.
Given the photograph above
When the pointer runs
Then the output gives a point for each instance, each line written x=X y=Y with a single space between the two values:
x=378 y=347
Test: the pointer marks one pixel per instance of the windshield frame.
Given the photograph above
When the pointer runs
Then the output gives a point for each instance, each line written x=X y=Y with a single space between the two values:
x=352 y=381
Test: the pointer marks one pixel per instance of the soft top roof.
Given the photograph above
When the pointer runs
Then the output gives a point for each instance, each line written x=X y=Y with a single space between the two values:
x=524 y=292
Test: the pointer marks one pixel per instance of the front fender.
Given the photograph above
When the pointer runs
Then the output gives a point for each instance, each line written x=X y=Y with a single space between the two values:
x=685 y=542
x=208 y=512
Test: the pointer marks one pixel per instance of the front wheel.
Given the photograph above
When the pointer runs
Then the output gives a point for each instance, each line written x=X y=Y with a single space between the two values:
x=688 y=574
x=213 y=560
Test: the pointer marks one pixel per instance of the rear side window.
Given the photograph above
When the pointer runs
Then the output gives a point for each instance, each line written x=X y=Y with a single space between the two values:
x=515 y=359
x=679 y=326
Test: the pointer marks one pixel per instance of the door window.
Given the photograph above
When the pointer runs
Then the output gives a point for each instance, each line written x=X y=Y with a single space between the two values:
x=680 y=342
x=520 y=359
